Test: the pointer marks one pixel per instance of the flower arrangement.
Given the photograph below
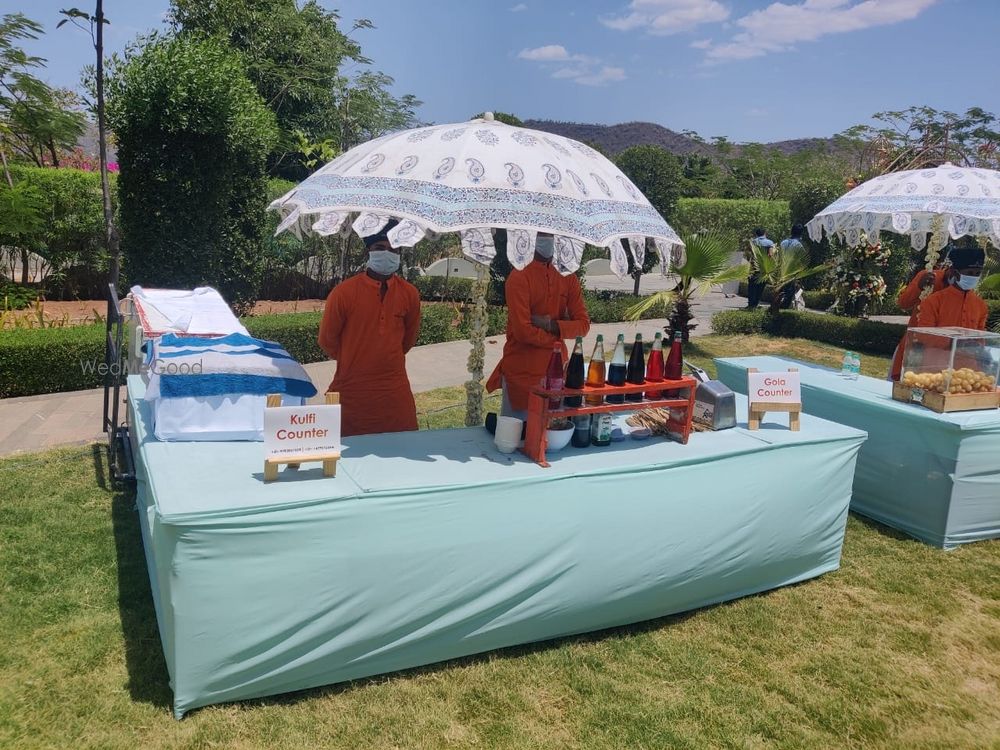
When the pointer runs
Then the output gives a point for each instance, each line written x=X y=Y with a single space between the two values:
x=857 y=277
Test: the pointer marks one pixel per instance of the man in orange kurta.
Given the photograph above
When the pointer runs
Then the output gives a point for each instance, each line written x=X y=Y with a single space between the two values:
x=370 y=322
x=909 y=300
x=543 y=308
x=957 y=304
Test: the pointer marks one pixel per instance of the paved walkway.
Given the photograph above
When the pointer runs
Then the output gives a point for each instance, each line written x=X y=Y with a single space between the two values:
x=38 y=422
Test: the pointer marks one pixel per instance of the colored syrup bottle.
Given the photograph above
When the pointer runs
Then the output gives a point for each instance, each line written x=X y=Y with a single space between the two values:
x=596 y=371
x=575 y=374
x=581 y=431
x=636 y=371
x=618 y=370
x=654 y=367
x=554 y=375
x=674 y=367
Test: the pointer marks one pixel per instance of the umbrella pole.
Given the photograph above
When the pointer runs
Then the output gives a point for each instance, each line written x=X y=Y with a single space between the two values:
x=477 y=352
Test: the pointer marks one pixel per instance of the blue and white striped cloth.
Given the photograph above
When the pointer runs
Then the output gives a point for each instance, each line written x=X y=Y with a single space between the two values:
x=237 y=364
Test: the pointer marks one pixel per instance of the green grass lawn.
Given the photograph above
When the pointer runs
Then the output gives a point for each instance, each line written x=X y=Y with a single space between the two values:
x=899 y=648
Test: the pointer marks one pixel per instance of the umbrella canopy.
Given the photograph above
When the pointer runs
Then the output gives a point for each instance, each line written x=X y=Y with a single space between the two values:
x=475 y=176
x=957 y=200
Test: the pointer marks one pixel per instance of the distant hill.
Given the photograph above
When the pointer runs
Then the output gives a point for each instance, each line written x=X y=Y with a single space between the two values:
x=616 y=138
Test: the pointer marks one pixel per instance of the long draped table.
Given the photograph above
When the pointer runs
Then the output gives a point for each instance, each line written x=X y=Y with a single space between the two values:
x=431 y=545
x=934 y=476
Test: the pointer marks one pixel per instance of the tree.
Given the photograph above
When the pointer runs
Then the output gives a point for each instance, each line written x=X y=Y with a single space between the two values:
x=370 y=111
x=95 y=26
x=193 y=140
x=657 y=174
x=295 y=56
x=919 y=137
x=505 y=117
x=26 y=112
x=43 y=126
x=706 y=264
x=782 y=268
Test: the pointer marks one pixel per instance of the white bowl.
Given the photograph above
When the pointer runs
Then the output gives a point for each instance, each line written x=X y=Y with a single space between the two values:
x=556 y=440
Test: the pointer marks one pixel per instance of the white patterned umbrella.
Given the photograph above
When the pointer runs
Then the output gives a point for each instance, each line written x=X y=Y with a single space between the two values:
x=475 y=176
x=945 y=200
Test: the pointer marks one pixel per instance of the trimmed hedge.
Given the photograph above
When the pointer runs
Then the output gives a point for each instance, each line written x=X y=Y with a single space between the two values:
x=443 y=289
x=297 y=332
x=850 y=333
x=735 y=218
x=49 y=360
x=53 y=360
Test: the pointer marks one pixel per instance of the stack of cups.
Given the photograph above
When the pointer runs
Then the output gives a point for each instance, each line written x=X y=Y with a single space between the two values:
x=508 y=434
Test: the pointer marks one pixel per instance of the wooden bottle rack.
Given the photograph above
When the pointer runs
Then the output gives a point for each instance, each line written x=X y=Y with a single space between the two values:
x=539 y=413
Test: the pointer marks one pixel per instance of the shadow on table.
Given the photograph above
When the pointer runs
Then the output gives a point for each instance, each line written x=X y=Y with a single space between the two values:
x=147 y=671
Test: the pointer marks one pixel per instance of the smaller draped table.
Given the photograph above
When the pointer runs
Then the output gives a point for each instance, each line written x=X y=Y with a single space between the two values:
x=934 y=476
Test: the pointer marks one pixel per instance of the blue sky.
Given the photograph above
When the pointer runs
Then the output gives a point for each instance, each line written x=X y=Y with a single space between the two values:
x=751 y=70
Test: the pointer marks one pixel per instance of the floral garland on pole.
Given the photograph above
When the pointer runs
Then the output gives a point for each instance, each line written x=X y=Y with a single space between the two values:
x=857 y=276
x=477 y=354
x=939 y=238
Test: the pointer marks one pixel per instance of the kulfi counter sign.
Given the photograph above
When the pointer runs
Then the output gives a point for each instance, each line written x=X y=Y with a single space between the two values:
x=297 y=434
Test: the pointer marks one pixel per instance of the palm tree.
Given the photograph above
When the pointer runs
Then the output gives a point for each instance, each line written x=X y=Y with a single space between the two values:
x=782 y=268
x=706 y=264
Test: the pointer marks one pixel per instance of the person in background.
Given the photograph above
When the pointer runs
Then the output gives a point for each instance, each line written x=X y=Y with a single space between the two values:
x=792 y=243
x=909 y=301
x=370 y=322
x=543 y=307
x=755 y=284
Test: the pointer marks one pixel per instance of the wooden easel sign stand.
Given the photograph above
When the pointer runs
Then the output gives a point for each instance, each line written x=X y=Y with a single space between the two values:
x=295 y=435
x=773 y=391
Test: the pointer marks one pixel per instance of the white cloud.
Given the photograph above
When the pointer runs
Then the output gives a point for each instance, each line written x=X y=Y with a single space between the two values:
x=779 y=26
x=548 y=53
x=663 y=17
x=582 y=69
x=606 y=74
x=701 y=44
x=518 y=8
x=569 y=73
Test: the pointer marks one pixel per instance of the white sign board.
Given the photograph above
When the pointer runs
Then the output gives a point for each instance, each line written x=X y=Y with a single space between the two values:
x=301 y=430
x=774 y=388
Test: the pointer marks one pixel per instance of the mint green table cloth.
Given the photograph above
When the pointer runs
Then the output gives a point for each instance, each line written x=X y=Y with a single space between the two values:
x=432 y=545
x=934 y=476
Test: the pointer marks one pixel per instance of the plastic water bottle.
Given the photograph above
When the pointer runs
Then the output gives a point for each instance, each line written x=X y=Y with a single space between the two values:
x=847 y=364
x=855 y=365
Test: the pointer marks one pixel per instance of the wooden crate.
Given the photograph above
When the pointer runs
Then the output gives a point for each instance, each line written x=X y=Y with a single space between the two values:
x=943 y=402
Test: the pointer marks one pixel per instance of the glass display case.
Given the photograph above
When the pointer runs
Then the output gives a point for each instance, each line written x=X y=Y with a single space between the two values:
x=950 y=369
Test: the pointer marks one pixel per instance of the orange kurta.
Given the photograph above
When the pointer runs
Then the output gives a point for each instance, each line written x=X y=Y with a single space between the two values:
x=951 y=307
x=909 y=300
x=369 y=337
x=537 y=290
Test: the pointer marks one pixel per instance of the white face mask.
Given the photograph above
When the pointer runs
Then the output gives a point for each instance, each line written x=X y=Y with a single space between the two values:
x=545 y=246
x=966 y=283
x=383 y=262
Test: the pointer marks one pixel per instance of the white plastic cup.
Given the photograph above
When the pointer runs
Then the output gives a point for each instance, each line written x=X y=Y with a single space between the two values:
x=508 y=434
